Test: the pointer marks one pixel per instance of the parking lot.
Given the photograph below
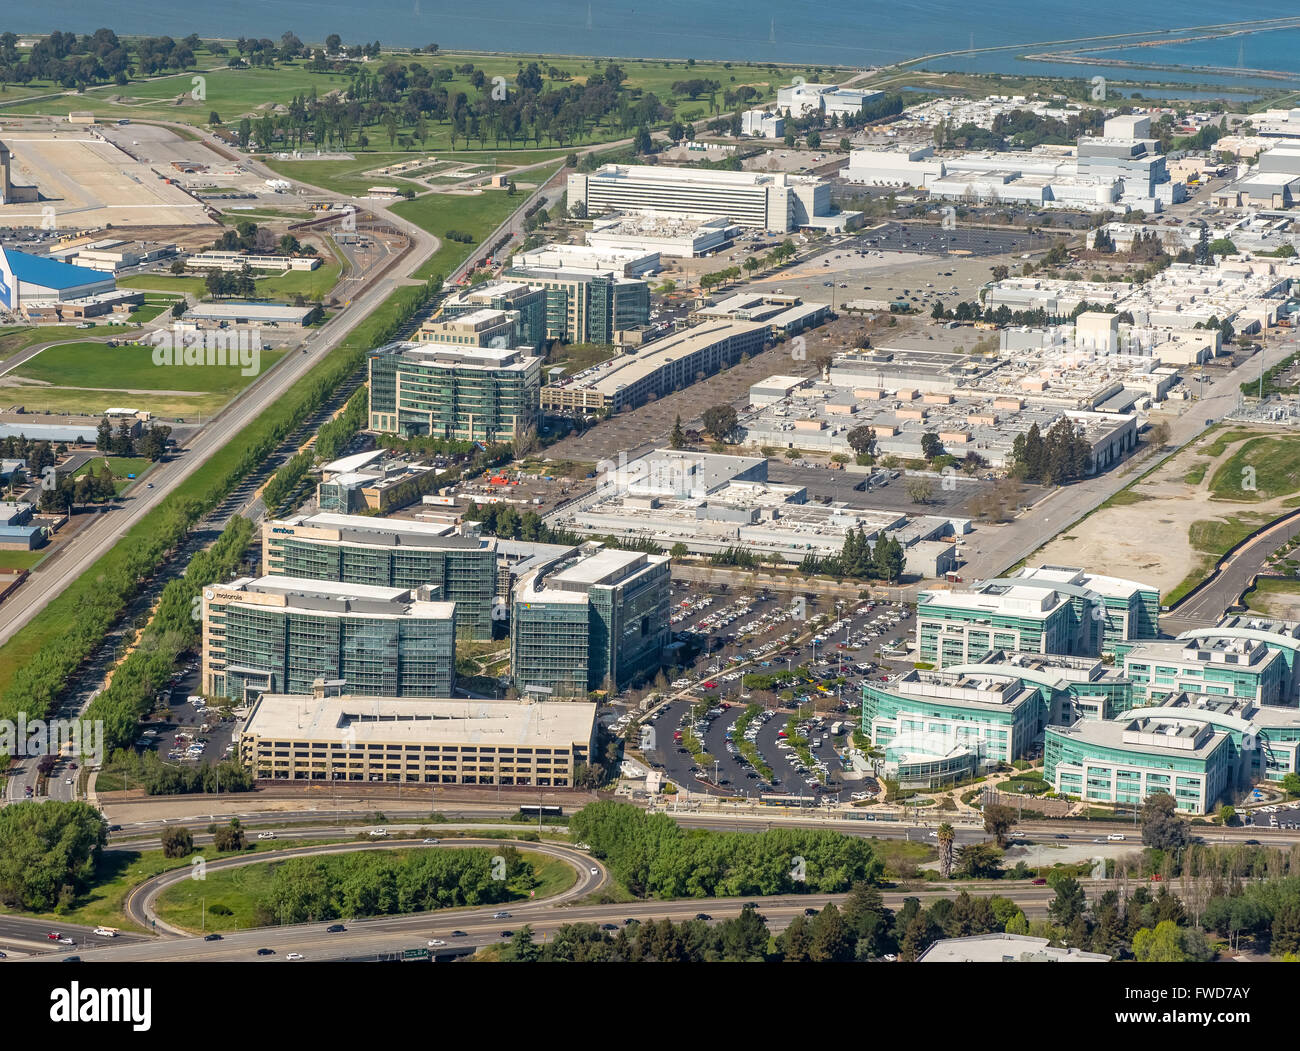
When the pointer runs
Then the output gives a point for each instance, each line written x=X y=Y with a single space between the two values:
x=932 y=238
x=842 y=486
x=822 y=681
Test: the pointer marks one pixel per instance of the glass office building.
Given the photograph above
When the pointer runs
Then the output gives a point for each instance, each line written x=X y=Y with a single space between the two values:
x=1243 y=669
x=589 y=622
x=277 y=634
x=355 y=549
x=527 y=303
x=1125 y=760
x=463 y=393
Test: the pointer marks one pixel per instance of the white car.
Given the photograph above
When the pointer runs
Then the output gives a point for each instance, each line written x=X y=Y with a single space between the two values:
x=379 y=832
x=266 y=835
x=295 y=956
x=435 y=942
x=595 y=871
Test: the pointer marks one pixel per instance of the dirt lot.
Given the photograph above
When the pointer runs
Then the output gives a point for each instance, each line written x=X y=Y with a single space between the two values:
x=1145 y=534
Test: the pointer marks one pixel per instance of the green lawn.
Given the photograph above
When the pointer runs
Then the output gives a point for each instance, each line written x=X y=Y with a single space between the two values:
x=78 y=402
x=1213 y=539
x=478 y=215
x=121 y=466
x=1222 y=440
x=578 y=356
x=176 y=283
x=22 y=559
x=1196 y=474
x=93 y=365
x=270 y=284
x=14 y=338
x=1261 y=469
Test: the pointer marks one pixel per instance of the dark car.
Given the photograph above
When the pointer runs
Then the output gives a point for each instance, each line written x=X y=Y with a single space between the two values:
x=1252 y=842
x=335 y=928
x=810 y=912
x=609 y=926
x=507 y=934
x=630 y=920
x=212 y=937
x=1062 y=835
x=459 y=934
x=1038 y=882
x=703 y=916
x=72 y=959
x=265 y=952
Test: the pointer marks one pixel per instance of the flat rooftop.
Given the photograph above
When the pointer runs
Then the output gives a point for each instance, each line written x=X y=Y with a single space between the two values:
x=415 y=720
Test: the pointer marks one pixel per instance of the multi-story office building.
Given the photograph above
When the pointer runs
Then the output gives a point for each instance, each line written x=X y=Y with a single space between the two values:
x=1127 y=611
x=1280 y=635
x=396 y=553
x=1047 y=610
x=275 y=634
x=1071 y=687
x=427 y=742
x=1244 y=669
x=479 y=394
x=528 y=303
x=938 y=727
x=587 y=306
x=772 y=201
x=589 y=622
x=1122 y=761
x=484 y=327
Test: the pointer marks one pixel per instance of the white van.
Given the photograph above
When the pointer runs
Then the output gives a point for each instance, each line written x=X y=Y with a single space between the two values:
x=1115 y=837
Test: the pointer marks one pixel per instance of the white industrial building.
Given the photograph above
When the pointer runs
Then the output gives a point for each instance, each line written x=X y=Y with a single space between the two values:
x=630 y=261
x=761 y=124
x=712 y=502
x=676 y=236
x=1120 y=168
x=800 y=100
x=238 y=260
x=775 y=202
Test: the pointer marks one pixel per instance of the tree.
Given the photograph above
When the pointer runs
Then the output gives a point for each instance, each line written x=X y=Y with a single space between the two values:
x=1161 y=944
x=1291 y=784
x=48 y=853
x=720 y=421
x=1286 y=931
x=678 y=437
x=979 y=860
x=678 y=550
x=1162 y=828
x=830 y=938
x=1018 y=924
x=931 y=445
x=998 y=820
x=920 y=490
x=1227 y=814
x=228 y=839
x=814 y=140
x=1069 y=903
x=177 y=842
x=862 y=440
x=641 y=142
x=795 y=942
x=947 y=835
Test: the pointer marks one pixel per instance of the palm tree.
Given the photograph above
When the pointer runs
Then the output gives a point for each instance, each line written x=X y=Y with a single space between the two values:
x=946 y=836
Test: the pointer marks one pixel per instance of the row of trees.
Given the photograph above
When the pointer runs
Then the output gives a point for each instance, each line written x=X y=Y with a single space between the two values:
x=1062 y=456
x=148 y=771
x=151 y=444
x=393 y=883
x=861 y=559
x=48 y=853
x=653 y=856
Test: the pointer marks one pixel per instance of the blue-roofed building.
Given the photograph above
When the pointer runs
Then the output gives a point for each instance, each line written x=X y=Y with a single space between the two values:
x=31 y=280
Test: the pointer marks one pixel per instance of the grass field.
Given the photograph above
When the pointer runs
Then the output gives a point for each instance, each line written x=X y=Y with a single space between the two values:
x=22 y=559
x=1274 y=596
x=1263 y=468
x=93 y=365
x=270 y=285
x=19 y=337
x=77 y=402
x=1213 y=539
x=174 y=283
x=479 y=215
x=243 y=889
x=121 y=466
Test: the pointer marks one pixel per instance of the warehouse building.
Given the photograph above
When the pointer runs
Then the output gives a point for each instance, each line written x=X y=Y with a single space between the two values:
x=31 y=281
x=272 y=634
x=590 y=622
x=274 y=314
x=403 y=740
x=465 y=393
x=800 y=100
